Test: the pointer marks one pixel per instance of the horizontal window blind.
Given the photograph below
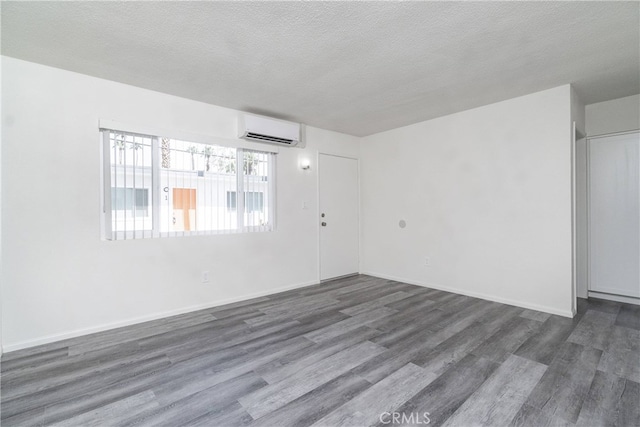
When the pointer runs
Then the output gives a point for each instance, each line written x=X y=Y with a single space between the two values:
x=163 y=187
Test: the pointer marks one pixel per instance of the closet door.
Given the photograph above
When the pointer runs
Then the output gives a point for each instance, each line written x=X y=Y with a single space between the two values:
x=614 y=214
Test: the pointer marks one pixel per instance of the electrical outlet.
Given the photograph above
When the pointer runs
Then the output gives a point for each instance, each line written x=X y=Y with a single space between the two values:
x=205 y=276
x=427 y=261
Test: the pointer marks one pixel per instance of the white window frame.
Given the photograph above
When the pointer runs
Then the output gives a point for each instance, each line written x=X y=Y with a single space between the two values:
x=107 y=126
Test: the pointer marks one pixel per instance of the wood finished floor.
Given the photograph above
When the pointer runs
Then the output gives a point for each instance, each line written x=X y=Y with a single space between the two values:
x=340 y=353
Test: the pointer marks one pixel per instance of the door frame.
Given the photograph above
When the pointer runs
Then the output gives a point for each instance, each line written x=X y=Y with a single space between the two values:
x=318 y=218
x=576 y=135
x=603 y=295
x=574 y=220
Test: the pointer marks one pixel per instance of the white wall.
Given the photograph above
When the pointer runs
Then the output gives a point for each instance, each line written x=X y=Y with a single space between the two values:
x=617 y=115
x=578 y=113
x=486 y=194
x=578 y=116
x=60 y=279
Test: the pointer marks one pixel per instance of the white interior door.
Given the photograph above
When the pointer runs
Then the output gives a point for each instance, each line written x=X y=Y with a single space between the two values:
x=614 y=214
x=339 y=230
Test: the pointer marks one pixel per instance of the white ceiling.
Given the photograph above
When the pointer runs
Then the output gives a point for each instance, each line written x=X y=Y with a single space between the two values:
x=353 y=67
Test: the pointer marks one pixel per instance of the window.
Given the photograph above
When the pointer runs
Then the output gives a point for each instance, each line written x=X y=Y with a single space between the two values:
x=160 y=187
x=231 y=200
x=253 y=201
x=134 y=200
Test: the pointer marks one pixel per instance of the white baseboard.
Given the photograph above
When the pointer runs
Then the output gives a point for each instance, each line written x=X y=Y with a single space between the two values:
x=6 y=348
x=617 y=298
x=105 y=327
x=550 y=310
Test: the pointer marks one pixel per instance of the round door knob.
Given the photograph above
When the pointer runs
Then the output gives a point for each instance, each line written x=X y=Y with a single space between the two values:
x=324 y=224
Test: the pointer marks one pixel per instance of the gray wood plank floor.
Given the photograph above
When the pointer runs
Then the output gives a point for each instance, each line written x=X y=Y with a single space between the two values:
x=343 y=353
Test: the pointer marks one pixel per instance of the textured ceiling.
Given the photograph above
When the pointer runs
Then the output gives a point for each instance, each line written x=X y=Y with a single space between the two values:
x=353 y=67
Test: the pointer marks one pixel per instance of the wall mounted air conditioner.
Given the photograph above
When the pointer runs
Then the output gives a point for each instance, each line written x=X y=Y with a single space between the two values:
x=266 y=129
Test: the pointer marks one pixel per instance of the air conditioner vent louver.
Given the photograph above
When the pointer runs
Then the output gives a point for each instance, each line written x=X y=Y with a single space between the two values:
x=267 y=138
x=269 y=130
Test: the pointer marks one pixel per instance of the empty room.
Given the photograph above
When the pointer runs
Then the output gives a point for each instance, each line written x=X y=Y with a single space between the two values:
x=320 y=213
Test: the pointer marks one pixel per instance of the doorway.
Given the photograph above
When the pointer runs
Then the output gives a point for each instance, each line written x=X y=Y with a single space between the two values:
x=613 y=215
x=184 y=209
x=339 y=223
